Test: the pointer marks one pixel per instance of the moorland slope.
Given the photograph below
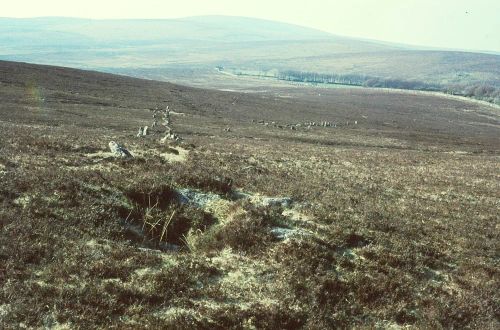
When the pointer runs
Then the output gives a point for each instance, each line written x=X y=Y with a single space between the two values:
x=386 y=219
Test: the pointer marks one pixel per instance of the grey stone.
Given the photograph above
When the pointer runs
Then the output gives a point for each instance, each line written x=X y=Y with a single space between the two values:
x=196 y=198
x=139 y=134
x=119 y=151
x=282 y=233
x=285 y=202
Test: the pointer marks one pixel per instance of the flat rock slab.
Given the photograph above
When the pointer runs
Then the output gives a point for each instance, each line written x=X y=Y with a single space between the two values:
x=197 y=198
x=282 y=233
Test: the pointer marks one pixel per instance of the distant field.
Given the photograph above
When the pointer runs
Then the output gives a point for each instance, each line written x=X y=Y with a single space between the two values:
x=388 y=220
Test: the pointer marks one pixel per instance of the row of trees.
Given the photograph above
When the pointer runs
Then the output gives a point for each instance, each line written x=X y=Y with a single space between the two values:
x=355 y=80
x=313 y=77
x=481 y=91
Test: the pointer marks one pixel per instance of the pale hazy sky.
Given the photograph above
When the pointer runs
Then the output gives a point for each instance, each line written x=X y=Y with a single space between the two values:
x=462 y=24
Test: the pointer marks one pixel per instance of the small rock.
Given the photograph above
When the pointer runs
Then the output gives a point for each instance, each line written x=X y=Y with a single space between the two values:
x=281 y=233
x=119 y=151
x=285 y=202
x=197 y=198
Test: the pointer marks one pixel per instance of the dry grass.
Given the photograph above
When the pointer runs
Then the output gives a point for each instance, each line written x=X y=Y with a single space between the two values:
x=400 y=231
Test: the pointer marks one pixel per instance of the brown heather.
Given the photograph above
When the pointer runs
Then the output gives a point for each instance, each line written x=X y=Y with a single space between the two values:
x=399 y=213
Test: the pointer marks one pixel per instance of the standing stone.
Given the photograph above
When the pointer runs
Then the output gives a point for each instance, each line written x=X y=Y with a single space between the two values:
x=119 y=151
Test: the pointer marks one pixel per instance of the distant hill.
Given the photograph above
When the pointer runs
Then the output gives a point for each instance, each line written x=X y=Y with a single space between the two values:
x=167 y=49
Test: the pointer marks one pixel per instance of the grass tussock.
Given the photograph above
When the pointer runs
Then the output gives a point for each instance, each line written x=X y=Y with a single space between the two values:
x=246 y=230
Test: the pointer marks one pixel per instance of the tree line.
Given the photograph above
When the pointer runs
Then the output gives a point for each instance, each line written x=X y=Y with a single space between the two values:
x=481 y=91
x=356 y=80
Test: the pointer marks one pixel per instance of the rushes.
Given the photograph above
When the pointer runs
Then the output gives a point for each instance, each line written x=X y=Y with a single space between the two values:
x=165 y=226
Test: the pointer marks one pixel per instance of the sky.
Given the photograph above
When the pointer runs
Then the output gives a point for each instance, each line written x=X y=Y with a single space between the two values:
x=451 y=24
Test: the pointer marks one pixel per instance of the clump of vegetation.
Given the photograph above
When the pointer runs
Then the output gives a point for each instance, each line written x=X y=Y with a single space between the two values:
x=196 y=176
x=170 y=225
x=151 y=193
x=247 y=229
x=157 y=216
